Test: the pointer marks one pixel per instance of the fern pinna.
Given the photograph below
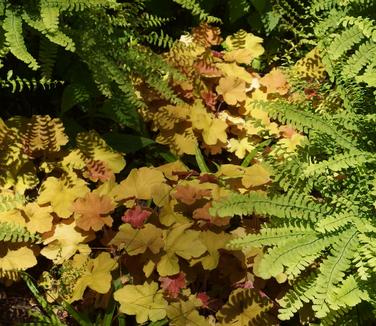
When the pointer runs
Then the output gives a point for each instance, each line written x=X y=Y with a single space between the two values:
x=320 y=231
x=101 y=49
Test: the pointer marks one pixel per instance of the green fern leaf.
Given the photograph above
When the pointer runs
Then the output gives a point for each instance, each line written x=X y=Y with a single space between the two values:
x=344 y=42
x=196 y=10
x=305 y=121
x=339 y=162
x=294 y=255
x=292 y=206
x=360 y=59
x=9 y=201
x=332 y=271
x=271 y=236
x=15 y=233
x=14 y=37
x=50 y=16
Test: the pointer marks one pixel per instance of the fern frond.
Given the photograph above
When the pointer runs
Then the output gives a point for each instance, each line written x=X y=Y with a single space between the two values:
x=335 y=222
x=196 y=10
x=303 y=120
x=345 y=41
x=161 y=39
x=292 y=257
x=14 y=37
x=271 y=236
x=348 y=294
x=18 y=84
x=149 y=20
x=291 y=206
x=332 y=271
x=339 y=162
x=50 y=15
x=294 y=299
x=47 y=57
x=56 y=37
x=14 y=233
x=9 y=201
x=360 y=59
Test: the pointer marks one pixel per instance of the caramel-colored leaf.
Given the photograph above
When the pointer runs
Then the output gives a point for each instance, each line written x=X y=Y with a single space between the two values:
x=232 y=89
x=93 y=212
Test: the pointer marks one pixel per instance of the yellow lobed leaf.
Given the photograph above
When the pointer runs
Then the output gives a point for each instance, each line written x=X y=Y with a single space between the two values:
x=64 y=243
x=13 y=216
x=161 y=194
x=243 y=47
x=97 y=276
x=240 y=56
x=140 y=183
x=216 y=132
x=168 y=169
x=167 y=116
x=184 y=143
x=199 y=117
x=241 y=148
x=246 y=307
x=234 y=70
x=19 y=259
x=168 y=265
x=213 y=129
x=185 y=313
x=61 y=193
x=311 y=66
x=114 y=160
x=39 y=218
x=179 y=242
x=232 y=89
x=23 y=178
x=74 y=160
x=144 y=301
x=290 y=144
x=213 y=242
x=137 y=241
x=92 y=146
x=43 y=134
x=168 y=215
x=256 y=175
x=230 y=171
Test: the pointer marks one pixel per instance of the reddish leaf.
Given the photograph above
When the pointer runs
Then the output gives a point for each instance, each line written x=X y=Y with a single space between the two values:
x=204 y=299
x=208 y=178
x=207 y=68
x=189 y=195
x=210 y=99
x=202 y=213
x=185 y=174
x=173 y=284
x=136 y=216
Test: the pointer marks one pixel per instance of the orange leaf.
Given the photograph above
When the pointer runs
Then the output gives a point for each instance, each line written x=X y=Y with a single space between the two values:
x=232 y=89
x=94 y=211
